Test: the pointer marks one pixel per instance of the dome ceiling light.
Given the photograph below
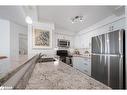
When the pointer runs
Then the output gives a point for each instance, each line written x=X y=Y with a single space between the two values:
x=77 y=19
x=28 y=20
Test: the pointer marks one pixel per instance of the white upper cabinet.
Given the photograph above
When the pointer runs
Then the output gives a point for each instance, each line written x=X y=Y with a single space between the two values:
x=102 y=30
x=119 y=24
x=84 y=40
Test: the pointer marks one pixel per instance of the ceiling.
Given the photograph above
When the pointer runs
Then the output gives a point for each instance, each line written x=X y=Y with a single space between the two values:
x=60 y=15
x=13 y=13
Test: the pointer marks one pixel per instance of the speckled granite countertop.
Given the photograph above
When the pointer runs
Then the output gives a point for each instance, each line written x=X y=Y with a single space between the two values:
x=58 y=75
x=7 y=65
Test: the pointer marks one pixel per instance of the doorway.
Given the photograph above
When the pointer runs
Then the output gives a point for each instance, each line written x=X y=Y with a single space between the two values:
x=23 y=44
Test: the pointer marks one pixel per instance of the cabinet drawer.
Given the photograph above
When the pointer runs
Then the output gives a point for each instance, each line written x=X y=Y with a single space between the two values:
x=86 y=68
x=82 y=64
x=75 y=62
x=86 y=65
x=86 y=71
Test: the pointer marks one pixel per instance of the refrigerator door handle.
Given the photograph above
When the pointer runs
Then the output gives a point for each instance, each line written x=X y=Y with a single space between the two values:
x=108 y=64
x=105 y=43
x=101 y=46
x=108 y=46
x=120 y=40
x=120 y=72
x=100 y=59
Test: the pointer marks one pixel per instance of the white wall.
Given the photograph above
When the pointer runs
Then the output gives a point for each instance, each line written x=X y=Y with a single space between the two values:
x=9 y=37
x=45 y=26
x=4 y=38
x=15 y=30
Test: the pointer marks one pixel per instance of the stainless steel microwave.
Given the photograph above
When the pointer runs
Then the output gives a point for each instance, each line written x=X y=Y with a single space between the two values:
x=63 y=43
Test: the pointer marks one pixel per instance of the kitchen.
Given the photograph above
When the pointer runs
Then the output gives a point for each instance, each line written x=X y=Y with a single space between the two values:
x=61 y=51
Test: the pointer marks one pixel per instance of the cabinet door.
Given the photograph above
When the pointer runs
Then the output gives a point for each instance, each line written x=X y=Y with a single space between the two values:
x=120 y=24
x=87 y=64
x=75 y=62
x=86 y=67
x=99 y=68
x=80 y=62
x=104 y=29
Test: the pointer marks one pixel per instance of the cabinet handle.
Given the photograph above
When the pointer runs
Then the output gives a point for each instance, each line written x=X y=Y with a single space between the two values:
x=112 y=27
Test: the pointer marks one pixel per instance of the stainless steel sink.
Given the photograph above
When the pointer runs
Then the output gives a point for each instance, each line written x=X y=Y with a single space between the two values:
x=46 y=60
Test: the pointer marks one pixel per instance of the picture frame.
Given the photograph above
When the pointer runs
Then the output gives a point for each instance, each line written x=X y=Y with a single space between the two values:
x=41 y=38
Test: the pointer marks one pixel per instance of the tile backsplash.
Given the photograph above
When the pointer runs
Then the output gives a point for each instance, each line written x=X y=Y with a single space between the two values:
x=84 y=51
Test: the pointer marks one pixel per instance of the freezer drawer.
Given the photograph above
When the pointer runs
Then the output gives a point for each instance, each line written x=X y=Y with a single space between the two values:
x=99 y=70
x=116 y=72
x=109 y=69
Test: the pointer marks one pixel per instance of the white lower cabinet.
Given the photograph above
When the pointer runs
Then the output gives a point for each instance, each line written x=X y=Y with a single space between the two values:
x=83 y=64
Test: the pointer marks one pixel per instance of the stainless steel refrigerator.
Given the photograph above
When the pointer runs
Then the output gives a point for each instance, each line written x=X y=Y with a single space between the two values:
x=108 y=59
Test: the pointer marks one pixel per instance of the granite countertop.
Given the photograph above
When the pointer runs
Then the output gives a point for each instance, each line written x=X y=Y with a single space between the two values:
x=7 y=65
x=58 y=75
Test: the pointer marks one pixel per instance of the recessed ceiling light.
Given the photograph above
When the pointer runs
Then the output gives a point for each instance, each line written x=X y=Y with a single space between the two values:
x=28 y=20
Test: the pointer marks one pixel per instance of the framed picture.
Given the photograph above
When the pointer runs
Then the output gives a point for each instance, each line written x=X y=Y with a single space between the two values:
x=42 y=38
